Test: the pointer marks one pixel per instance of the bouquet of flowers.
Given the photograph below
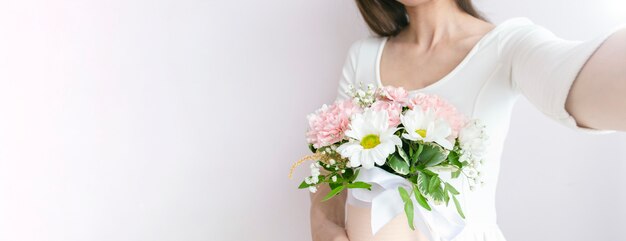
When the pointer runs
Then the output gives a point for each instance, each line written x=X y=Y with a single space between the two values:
x=415 y=138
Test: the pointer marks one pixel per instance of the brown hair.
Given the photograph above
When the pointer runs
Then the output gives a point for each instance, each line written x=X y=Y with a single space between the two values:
x=389 y=17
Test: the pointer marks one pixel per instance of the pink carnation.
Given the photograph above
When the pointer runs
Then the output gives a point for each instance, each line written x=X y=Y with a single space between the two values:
x=394 y=110
x=394 y=94
x=442 y=109
x=329 y=123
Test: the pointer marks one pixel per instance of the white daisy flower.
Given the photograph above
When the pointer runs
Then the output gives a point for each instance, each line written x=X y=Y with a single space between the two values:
x=371 y=139
x=425 y=126
x=313 y=189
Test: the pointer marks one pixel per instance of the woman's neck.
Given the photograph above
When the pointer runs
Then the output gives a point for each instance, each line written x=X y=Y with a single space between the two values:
x=433 y=22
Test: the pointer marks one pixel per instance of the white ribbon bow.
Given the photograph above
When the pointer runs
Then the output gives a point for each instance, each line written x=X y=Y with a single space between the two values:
x=440 y=224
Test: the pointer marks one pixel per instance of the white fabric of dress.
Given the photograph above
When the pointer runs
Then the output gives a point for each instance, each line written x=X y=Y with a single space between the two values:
x=516 y=58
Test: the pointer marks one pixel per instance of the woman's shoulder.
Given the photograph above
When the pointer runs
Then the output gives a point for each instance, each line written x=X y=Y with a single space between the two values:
x=520 y=31
x=367 y=44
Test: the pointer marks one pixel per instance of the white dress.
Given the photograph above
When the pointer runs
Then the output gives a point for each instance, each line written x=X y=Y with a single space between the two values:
x=516 y=58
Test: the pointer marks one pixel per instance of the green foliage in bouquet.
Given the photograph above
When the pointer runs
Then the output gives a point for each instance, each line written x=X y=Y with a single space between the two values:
x=414 y=161
x=339 y=175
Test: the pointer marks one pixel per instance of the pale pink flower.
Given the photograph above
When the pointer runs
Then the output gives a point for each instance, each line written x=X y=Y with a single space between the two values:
x=394 y=110
x=442 y=109
x=394 y=94
x=328 y=124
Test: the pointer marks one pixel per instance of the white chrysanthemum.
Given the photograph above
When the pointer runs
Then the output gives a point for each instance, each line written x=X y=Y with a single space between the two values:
x=473 y=141
x=371 y=139
x=425 y=126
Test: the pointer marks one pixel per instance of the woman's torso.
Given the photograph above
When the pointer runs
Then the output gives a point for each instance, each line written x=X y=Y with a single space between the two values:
x=480 y=87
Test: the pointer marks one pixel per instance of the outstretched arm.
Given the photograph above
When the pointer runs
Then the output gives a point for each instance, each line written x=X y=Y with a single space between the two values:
x=597 y=98
x=579 y=83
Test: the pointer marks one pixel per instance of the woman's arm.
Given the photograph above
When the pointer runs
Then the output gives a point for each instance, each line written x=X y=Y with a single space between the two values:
x=597 y=98
x=328 y=217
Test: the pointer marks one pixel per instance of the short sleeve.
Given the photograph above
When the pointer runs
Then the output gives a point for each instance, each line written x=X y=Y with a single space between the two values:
x=544 y=67
x=348 y=71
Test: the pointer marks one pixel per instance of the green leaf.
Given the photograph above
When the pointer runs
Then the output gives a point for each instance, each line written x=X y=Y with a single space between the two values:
x=451 y=189
x=456 y=173
x=429 y=172
x=432 y=155
x=420 y=198
x=438 y=195
x=419 y=149
x=458 y=207
x=403 y=155
x=398 y=165
x=356 y=173
x=408 y=209
x=404 y=194
x=303 y=185
x=335 y=185
x=360 y=185
x=408 y=205
x=423 y=180
x=333 y=192
x=446 y=196
x=453 y=157
x=415 y=157
x=348 y=174
x=435 y=183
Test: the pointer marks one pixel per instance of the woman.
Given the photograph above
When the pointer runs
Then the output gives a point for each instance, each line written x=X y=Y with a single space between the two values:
x=445 y=47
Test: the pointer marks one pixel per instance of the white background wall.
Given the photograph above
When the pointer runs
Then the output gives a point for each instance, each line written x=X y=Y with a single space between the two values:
x=179 y=120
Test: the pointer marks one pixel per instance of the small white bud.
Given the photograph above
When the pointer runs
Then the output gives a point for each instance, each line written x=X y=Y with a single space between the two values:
x=314 y=179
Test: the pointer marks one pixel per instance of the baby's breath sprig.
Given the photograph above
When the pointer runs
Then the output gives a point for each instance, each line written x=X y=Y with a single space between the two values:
x=364 y=97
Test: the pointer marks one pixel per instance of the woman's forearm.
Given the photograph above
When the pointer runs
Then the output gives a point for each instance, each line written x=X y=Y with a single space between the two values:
x=327 y=218
x=332 y=209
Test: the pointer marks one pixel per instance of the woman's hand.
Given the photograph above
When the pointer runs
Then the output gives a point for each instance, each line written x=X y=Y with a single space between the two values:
x=328 y=217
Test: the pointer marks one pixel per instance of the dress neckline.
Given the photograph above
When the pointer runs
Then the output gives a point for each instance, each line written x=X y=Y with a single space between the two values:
x=456 y=69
